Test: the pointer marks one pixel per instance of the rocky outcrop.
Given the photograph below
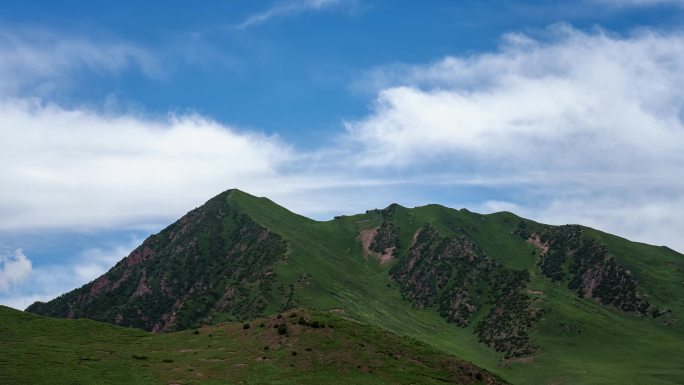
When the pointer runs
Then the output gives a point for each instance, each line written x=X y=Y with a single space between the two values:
x=454 y=275
x=586 y=266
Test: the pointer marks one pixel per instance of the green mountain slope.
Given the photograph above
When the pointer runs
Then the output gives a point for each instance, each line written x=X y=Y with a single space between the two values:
x=530 y=302
x=312 y=348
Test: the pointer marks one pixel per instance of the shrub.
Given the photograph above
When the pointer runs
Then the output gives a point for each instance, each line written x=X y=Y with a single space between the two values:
x=282 y=329
x=315 y=324
x=245 y=326
x=195 y=331
x=167 y=360
x=137 y=357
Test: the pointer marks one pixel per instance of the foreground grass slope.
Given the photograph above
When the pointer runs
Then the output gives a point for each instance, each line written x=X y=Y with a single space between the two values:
x=312 y=348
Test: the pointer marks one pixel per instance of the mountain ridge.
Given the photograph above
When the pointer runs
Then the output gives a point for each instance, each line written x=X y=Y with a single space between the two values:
x=477 y=286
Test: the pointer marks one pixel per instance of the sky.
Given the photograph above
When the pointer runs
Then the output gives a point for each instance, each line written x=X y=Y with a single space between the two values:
x=116 y=118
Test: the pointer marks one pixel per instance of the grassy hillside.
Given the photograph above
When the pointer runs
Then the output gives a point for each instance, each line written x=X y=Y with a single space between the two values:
x=580 y=340
x=313 y=348
x=584 y=306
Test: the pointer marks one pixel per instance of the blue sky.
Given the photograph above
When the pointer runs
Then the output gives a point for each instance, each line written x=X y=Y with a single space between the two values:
x=117 y=118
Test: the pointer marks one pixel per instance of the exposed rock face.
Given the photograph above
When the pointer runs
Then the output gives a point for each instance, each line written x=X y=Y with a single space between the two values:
x=214 y=259
x=587 y=267
x=454 y=275
x=441 y=270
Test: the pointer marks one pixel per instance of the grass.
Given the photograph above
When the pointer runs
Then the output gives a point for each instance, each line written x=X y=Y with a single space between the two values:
x=41 y=350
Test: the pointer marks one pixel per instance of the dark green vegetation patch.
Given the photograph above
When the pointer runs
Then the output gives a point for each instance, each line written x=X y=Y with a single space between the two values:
x=214 y=259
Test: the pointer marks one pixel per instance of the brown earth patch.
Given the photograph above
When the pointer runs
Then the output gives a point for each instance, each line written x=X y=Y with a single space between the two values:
x=366 y=237
x=535 y=292
x=536 y=241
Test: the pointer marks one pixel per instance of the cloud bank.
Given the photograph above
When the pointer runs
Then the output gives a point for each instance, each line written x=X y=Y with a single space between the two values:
x=580 y=102
x=74 y=167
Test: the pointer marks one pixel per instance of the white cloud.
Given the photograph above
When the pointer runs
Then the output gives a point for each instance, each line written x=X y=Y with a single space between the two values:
x=74 y=167
x=44 y=60
x=579 y=102
x=14 y=269
x=290 y=8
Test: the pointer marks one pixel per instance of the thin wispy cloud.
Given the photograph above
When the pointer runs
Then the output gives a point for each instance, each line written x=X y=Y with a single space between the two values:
x=639 y=3
x=37 y=61
x=289 y=9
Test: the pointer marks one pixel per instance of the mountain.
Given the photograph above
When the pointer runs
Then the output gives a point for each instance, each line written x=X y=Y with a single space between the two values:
x=532 y=303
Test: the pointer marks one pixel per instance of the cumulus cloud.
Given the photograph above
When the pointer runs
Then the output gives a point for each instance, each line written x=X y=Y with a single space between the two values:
x=290 y=8
x=581 y=101
x=14 y=269
x=71 y=167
